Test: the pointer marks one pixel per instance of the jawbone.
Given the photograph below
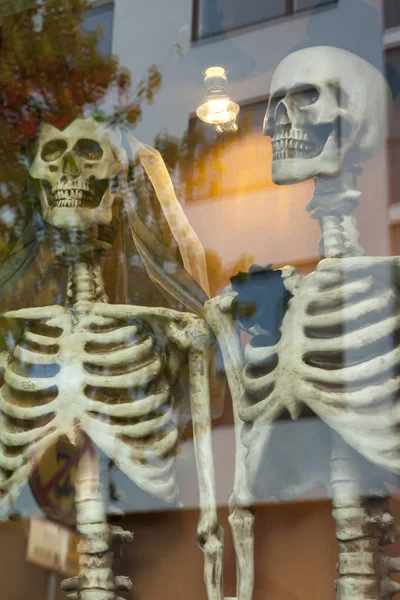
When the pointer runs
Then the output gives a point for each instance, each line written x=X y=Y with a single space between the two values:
x=68 y=213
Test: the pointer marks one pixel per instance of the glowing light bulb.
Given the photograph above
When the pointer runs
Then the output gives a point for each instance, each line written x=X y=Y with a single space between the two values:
x=217 y=108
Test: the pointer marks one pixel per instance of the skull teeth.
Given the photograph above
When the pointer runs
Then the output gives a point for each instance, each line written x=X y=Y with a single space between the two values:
x=72 y=203
x=72 y=197
x=293 y=134
x=290 y=153
x=279 y=145
x=74 y=184
x=293 y=143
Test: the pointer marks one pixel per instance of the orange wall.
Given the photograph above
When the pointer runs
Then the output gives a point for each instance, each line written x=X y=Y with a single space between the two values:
x=295 y=545
x=295 y=556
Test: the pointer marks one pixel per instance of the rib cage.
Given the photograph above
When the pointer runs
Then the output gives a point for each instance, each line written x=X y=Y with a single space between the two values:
x=76 y=370
x=338 y=354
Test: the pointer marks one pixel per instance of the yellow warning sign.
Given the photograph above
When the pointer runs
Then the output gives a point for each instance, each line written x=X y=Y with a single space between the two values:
x=53 y=478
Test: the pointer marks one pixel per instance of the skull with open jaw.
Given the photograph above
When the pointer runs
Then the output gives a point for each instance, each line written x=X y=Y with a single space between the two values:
x=75 y=167
x=323 y=110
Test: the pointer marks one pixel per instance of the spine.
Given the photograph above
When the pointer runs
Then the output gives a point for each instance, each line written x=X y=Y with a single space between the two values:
x=85 y=283
x=332 y=241
x=363 y=525
x=333 y=205
x=97 y=547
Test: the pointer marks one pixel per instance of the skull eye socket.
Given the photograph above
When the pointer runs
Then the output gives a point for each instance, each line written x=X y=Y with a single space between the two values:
x=275 y=100
x=305 y=96
x=53 y=150
x=269 y=120
x=88 y=149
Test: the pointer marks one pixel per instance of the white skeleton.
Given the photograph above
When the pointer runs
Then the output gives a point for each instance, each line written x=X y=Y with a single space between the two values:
x=103 y=370
x=337 y=351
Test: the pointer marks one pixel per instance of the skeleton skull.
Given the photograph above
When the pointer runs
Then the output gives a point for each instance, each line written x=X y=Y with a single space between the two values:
x=326 y=105
x=75 y=168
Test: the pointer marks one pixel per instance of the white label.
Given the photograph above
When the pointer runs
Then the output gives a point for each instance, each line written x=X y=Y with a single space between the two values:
x=49 y=546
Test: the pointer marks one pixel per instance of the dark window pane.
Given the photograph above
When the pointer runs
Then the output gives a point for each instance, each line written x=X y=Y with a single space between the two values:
x=394 y=171
x=302 y=4
x=395 y=239
x=101 y=16
x=218 y=16
x=392 y=13
x=393 y=73
x=393 y=77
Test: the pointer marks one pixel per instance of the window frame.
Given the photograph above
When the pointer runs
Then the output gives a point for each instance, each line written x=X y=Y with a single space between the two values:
x=290 y=11
x=98 y=3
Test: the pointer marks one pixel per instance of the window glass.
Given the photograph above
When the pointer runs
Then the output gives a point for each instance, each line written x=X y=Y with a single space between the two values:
x=217 y=16
x=199 y=299
x=213 y=168
x=391 y=13
x=303 y=4
x=101 y=18
x=393 y=74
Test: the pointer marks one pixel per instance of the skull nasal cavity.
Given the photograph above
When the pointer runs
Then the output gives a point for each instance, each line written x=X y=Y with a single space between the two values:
x=69 y=166
x=281 y=114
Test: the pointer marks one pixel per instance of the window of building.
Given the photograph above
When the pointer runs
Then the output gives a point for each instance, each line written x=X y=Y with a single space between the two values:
x=393 y=66
x=213 y=17
x=395 y=239
x=213 y=171
x=101 y=16
x=391 y=13
x=393 y=71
